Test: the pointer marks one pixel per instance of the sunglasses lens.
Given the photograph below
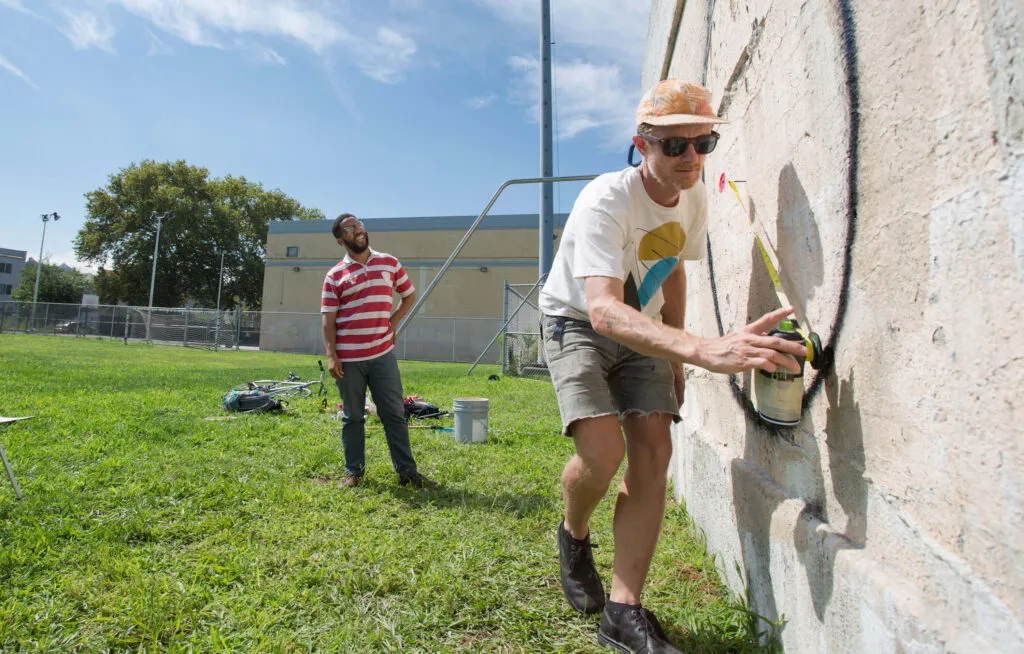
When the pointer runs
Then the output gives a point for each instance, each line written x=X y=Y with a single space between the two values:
x=705 y=144
x=673 y=147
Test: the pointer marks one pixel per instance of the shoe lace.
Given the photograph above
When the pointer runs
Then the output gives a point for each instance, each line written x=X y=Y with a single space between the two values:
x=580 y=552
x=644 y=621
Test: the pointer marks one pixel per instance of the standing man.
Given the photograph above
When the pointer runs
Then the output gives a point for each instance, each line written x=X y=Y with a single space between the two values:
x=359 y=334
x=614 y=307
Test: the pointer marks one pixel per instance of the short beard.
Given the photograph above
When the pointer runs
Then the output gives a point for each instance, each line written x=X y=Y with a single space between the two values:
x=667 y=182
x=355 y=248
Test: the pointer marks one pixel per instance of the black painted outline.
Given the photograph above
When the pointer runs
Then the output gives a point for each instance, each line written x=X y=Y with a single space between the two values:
x=849 y=39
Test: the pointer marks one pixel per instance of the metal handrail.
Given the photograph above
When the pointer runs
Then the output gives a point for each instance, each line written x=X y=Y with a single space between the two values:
x=472 y=228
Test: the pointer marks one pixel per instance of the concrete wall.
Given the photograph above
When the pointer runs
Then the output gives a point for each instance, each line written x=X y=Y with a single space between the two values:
x=880 y=145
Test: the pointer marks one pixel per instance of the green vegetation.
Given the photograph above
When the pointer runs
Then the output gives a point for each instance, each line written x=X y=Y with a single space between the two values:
x=146 y=527
x=209 y=215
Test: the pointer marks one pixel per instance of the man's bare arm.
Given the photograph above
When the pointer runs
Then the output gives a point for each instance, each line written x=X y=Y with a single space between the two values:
x=673 y=314
x=404 y=305
x=741 y=350
x=329 y=327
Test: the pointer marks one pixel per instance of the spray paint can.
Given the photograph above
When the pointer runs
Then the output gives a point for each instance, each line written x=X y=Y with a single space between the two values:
x=780 y=394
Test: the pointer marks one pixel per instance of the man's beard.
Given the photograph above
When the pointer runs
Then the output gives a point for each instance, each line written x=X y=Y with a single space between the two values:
x=356 y=248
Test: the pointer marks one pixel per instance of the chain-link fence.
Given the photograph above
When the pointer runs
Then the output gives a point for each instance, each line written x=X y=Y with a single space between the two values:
x=427 y=338
x=187 y=327
x=522 y=353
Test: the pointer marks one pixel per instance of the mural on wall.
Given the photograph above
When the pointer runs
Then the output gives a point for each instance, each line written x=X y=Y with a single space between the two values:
x=796 y=218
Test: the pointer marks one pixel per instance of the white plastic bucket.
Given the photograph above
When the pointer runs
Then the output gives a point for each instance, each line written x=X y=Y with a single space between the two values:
x=470 y=419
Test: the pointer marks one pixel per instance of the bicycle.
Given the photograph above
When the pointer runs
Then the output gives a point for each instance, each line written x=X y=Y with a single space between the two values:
x=291 y=387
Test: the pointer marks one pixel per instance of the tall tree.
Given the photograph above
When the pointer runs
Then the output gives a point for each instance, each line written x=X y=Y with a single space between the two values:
x=210 y=214
x=55 y=284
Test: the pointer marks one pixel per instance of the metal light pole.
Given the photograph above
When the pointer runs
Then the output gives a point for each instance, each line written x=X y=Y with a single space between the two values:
x=39 y=265
x=546 y=226
x=156 y=250
x=220 y=283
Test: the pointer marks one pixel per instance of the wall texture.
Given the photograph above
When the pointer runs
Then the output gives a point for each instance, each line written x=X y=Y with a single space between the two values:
x=879 y=144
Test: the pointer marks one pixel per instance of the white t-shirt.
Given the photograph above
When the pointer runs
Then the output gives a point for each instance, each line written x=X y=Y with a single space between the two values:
x=617 y=230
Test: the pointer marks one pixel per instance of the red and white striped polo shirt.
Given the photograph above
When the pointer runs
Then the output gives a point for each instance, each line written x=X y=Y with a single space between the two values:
x=361 y=294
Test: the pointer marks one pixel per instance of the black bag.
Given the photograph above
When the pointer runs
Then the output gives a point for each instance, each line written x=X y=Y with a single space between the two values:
x=250 y=402
x=417 y=409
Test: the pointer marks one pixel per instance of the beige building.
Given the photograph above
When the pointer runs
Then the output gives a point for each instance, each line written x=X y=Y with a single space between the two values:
x=463 y=312
x=880 y=145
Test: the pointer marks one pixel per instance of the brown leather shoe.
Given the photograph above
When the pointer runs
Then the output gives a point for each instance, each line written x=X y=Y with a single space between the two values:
x=350 y=481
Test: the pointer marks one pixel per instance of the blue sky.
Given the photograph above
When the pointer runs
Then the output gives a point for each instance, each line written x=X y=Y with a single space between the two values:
x=380 y=108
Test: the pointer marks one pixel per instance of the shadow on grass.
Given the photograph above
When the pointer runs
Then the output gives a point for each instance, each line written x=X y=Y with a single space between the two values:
x=520 y=505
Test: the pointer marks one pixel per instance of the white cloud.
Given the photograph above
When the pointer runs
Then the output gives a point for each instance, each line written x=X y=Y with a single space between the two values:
x=156 y=46
x=199 y=22
x=597 y=60
x=607 y=28
x=382 y=53
x=88 y=30
x=586 y=96
x=16 y=5
x=14 y=70
x=480 y=102
x=265 y=55
x=388 y=57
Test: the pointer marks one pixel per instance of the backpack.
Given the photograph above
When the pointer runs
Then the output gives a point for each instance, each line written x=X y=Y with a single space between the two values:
x=255 y=401
x=420 y=410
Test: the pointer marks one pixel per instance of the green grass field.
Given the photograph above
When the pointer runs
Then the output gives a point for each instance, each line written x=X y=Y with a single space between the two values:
x=146 y=528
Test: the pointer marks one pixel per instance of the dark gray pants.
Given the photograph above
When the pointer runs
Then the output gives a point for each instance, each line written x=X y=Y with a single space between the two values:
x=385 y=383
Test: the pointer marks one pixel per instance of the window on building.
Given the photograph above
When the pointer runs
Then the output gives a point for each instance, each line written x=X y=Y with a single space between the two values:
x=6 y=268
x=293 y=251
x=6 y=289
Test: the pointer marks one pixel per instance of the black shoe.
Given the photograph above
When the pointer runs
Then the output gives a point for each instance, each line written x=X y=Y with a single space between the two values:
x=580 y=581
x=417 y=481
x=633 y=629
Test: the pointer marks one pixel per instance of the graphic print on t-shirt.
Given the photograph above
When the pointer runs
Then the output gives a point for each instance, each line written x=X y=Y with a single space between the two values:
x=657 y=254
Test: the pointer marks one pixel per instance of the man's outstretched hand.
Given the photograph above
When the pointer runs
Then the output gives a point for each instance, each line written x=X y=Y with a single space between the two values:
x=750 y=347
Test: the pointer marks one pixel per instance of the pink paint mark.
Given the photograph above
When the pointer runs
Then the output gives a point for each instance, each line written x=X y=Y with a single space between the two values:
x=721 y=183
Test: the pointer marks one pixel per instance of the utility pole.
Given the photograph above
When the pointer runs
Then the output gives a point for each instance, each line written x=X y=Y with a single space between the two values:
x=156 y=251
x=39 y=266
x=546 y=226
x=220 y=283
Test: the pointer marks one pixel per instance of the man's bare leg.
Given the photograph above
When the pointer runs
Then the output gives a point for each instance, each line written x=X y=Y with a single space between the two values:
x=600 y=448
x=640 y=507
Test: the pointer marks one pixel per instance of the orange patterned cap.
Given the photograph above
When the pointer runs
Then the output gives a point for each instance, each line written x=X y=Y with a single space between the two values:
x=673 y=102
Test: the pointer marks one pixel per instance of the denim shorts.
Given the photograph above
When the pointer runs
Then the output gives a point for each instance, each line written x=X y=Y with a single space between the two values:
x=595 y=376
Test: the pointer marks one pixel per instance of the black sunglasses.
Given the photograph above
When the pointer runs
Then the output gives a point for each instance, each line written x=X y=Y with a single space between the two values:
x=676 y=145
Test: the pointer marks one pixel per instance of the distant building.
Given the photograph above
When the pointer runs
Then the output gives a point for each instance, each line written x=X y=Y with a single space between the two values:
x=504 y=248
x=11 y=264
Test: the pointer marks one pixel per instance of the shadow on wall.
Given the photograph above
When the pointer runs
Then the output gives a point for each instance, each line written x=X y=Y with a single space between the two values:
x=795 y=453
x=817 y=546
x=756 y=496
x=802 y=268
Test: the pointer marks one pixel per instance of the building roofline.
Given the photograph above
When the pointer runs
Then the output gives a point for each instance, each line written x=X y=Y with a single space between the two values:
x=419 y=223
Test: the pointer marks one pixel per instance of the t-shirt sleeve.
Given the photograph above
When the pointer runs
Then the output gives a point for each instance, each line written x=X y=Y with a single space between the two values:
x=697 y=232
x=599 y=244
x=329 y=298
x=403 y=285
